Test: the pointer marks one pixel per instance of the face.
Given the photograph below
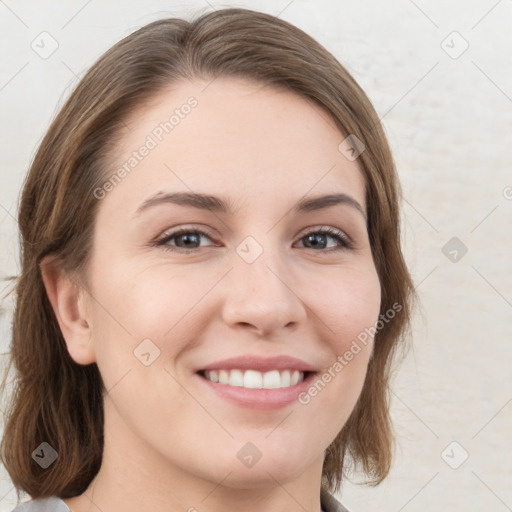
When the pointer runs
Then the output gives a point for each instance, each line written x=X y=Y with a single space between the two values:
x=253 y=288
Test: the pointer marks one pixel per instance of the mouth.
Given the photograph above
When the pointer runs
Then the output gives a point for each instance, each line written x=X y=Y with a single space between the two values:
x=254 y=379
x=251 y=389
x=256 y=382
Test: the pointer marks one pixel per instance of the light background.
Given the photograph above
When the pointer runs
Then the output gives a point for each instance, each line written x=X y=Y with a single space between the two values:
x=449 y=123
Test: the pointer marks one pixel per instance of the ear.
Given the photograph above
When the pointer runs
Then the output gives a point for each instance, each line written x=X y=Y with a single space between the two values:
x=68 y=301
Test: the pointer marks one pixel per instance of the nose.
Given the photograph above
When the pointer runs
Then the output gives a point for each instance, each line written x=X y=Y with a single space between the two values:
x=263 y=297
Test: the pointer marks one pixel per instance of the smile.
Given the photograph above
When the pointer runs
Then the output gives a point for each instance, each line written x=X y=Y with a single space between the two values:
x=254 y=379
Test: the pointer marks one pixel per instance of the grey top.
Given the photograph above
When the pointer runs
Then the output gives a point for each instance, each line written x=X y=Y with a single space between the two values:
x=54 y=504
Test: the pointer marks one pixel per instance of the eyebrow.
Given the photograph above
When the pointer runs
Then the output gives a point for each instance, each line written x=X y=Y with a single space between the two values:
x=218 y=204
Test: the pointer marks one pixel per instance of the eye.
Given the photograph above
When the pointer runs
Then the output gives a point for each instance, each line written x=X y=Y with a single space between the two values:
x=318 y=238
x=188 y=240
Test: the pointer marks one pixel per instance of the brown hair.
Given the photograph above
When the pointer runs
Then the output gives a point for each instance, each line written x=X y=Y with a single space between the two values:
x=61 y=402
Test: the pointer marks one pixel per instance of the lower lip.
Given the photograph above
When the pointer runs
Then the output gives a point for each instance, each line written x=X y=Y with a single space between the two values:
x=263 y=399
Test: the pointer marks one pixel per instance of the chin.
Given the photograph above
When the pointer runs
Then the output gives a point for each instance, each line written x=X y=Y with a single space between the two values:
x=272 y=467
x=262 y=476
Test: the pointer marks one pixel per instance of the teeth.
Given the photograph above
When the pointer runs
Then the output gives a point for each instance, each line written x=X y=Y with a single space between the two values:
x=223 y=377
x=253 y=379
x=272 y=380
x=236 y=378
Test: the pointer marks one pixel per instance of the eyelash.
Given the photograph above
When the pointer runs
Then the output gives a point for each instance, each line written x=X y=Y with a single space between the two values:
x=340 y=237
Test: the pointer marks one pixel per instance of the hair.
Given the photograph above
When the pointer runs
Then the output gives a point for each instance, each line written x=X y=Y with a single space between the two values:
x=58 y=401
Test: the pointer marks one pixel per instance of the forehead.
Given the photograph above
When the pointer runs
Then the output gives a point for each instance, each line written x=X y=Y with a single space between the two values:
x=251 y=143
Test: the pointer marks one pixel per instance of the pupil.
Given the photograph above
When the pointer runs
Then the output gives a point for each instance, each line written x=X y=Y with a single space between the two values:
x=313 y=239
x=189 y=238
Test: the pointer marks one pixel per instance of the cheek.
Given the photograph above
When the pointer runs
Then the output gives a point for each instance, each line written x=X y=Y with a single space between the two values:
x=349 y=305
x=153 y=303
x=350 y=308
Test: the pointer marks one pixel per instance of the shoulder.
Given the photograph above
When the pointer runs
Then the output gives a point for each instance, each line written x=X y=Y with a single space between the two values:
x=52 y=504
x=330 y=503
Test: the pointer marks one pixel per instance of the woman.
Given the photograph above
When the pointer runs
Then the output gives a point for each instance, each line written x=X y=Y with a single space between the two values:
x=212 y=288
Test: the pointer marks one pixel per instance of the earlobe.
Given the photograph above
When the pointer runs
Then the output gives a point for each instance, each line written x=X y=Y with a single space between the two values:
x=68 y=302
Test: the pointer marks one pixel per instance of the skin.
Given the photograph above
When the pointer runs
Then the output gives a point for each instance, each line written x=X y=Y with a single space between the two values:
x=170 y=443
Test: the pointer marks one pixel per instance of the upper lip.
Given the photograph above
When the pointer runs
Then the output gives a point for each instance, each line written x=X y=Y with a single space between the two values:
x=262 y=364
